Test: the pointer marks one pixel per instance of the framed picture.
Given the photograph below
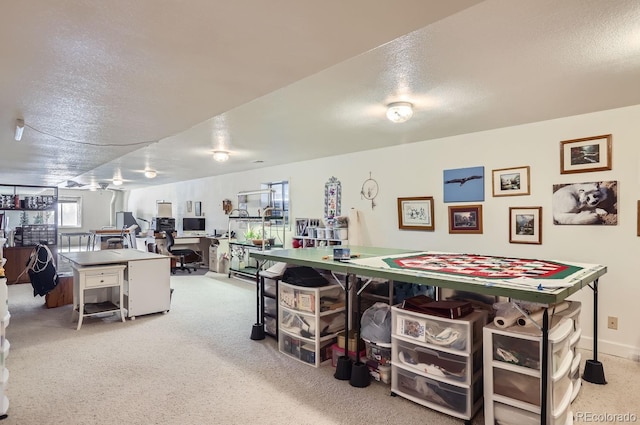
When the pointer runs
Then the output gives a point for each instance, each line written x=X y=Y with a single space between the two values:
x=415 y=213
x=585 y=155
x=525 y=225
x=590 y=203
x=511 y=181
x=464 y=184
x=465 y=219
x=198 y=208
x=189 y=206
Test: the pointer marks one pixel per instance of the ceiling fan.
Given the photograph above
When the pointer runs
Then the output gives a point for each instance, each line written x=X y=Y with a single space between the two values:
x=72 y=184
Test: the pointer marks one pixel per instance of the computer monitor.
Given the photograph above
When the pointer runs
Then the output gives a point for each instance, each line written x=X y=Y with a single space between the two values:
x=193 y=224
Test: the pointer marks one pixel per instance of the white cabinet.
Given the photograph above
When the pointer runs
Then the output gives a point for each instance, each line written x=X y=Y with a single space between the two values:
x=4 y=348
x=513 y=373
x=437 y=362
x=91 y=279
x=147 y=287
x=309 y=321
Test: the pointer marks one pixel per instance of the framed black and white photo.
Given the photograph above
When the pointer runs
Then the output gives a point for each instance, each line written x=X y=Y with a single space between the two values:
x=525 y=225
x=585 y=155
x=415 y=213
x=511 y=181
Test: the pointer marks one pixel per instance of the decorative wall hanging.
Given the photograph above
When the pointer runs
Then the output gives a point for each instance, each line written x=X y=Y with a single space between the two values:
x=585 y=155
x=369 y=190
x=511 y=181
x=226 y=206
x=525 y=225
x=332 y=195
x=585 y=203
x=189 y=206
x=464 y=184
x=198 y=208
x=415 y=213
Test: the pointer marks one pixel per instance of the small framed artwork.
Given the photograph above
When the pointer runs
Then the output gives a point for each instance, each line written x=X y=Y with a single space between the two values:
x=511 y=181
x=415 y=213
x=585 y=155
x=198 y=208
x=189 y=206
x=465 y=219
x=525 y=225
x=464 y=184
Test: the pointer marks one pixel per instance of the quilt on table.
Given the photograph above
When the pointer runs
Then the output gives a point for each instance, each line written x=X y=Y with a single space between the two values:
x=484 y=268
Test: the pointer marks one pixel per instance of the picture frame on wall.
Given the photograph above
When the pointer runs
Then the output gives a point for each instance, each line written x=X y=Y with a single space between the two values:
x=525 y=225
x=465 y=219
x=464 y=184
x=198 y=211
x=638 y=215
x=511 y=181
x=586 y=155
x=416 y=213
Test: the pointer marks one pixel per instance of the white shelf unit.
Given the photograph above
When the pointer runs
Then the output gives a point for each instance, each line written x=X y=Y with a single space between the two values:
x=310 y=232
x=513 y=376
x=437 y=362
x=309 y=321
x=271 y=227
x=5 y=317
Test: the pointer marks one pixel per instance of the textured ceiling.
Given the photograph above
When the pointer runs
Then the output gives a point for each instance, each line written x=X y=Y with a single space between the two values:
x=109 y=88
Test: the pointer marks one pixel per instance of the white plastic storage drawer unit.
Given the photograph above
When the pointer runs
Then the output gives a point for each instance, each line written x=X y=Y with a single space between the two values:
x=513 y=373
x=437 y=362
x=309 y=320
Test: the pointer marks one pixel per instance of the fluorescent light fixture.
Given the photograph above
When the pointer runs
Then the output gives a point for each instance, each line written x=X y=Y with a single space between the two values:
x=19 y=129
x=256 y=192
x=398 y=112
x=220 y=156
x=117 y=182
x=150 y=174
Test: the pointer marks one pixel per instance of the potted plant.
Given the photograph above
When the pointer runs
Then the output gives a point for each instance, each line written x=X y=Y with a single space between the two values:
x=253 y=235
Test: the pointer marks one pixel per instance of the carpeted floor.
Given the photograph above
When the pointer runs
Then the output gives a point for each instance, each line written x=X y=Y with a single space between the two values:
x=197 y=365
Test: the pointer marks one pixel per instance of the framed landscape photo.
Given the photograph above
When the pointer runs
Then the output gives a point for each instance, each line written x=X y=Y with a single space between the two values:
x=465 y=219
x=511 y=181
x=415 y=213
x=525 y=225
x=585 y=155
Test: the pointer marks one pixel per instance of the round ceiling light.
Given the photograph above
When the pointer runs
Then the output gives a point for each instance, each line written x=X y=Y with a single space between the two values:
x=220 y=156
x=398 y=112
x=117 y=182
x=150 y=174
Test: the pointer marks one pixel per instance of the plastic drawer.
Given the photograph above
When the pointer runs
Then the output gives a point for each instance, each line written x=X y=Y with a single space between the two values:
x=303 y=350
x=456 y=334
x=439 y=364
x=270 y=306
x=269 y=287
x=526 y=388
x=505 y=414
x=299 y=324
x=573 y=312
x=4 y=352
x=270 y=325
x=379 y=352
x=304 y=299
x=450 y=399
x=520 y=346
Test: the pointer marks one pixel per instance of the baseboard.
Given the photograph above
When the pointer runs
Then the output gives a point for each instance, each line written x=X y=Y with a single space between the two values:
x=611 y=348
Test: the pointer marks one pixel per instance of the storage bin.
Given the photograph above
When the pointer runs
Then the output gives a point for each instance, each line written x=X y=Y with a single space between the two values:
x=505 y=414
x=337 y=351
x=270 y=306
x=321 y=233
x=449 y=398
x=380 y=352
x=4 y=352
x=304 y=351
x=432 y=362
x=270 y=287
x=270 y=325
x=457 y=334
x=526 y=388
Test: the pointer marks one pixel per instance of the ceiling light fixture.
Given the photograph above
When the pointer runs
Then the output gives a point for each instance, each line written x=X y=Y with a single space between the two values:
x=150 y=174
x=117 y=182
x=220 y=156
x=19 y=129
x=398 y=112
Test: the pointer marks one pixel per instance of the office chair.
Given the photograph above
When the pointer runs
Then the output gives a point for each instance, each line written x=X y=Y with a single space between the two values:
x=181 y=253
x=125 y=238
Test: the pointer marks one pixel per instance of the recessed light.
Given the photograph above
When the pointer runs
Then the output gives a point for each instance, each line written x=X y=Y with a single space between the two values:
x=150 y=174
x=220 y=156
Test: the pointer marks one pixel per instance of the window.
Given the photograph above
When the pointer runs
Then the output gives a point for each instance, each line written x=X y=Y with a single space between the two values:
x=70 y=212
x=279 y=199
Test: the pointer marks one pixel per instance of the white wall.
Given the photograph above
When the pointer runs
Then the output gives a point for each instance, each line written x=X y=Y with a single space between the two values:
x=416 y=170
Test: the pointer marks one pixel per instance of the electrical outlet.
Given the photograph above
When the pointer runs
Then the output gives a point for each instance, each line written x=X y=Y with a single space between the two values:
x=612 y=322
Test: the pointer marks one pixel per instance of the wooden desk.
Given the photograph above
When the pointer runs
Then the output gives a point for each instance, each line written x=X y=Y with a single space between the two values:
x=199 y=244
x=146 y=277
x=103 y=234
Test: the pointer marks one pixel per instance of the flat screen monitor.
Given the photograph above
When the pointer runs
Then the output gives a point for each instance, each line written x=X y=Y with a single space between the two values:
x=193 y=224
